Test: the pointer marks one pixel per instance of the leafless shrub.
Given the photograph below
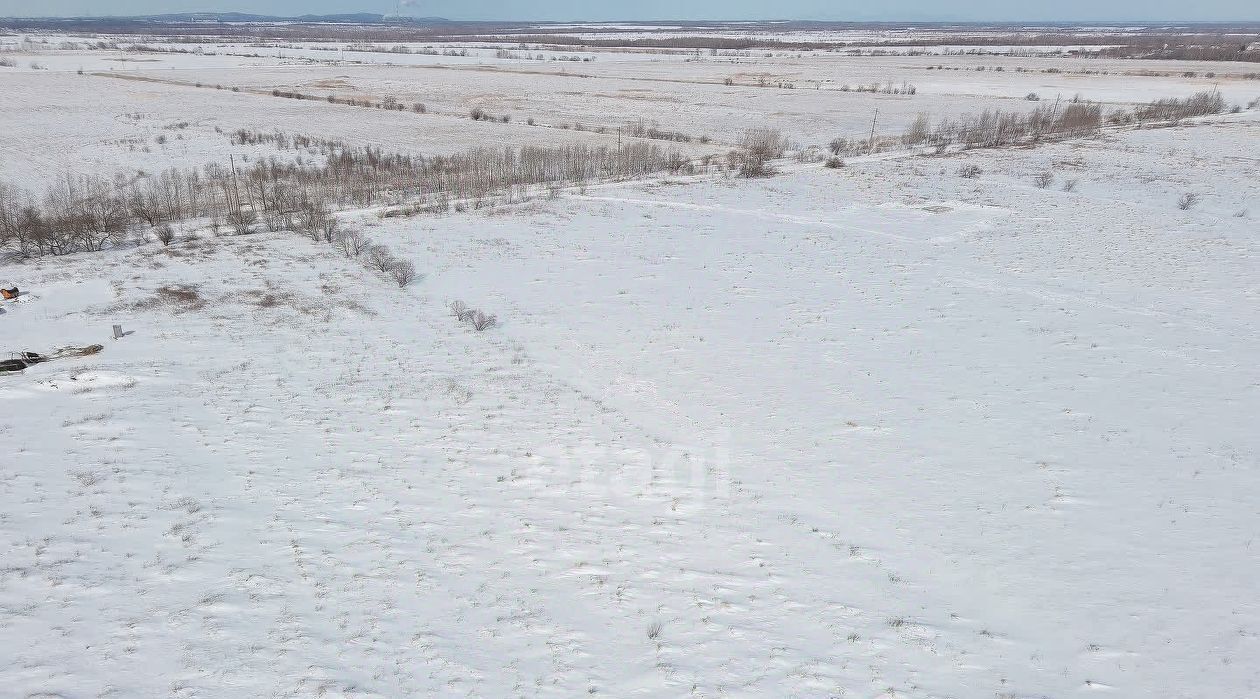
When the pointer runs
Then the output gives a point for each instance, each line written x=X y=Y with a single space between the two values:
x=834 y=163
x=351 y=243
x=461 y=311
x=918 y=131
x=1070 y=185
x=403 y=272
x=480 y=321
x=969 y=172
x=1187 y=201
x=475 y=318
x=1044 y=179
x=760 y=145
x=764 y=143
x=379 y=258
x=165 y=234
x=242 y=220
x=1032 y=97
x=654 y=630
x=313 y=219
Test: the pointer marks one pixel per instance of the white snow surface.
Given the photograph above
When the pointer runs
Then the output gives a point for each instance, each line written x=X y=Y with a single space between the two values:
x=880 y=431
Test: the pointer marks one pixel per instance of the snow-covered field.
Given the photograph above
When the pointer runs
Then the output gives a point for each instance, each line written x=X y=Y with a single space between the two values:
x=874 y=431
x=58 y=120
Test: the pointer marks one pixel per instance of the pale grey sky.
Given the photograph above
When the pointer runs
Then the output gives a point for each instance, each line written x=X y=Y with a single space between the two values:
x=993 y=10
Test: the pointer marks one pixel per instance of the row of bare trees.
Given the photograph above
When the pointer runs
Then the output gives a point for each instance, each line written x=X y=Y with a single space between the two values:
x=82 y=213
x=990 y=129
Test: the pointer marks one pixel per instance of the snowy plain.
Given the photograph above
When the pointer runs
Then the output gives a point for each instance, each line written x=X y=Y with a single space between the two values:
x=874 y=431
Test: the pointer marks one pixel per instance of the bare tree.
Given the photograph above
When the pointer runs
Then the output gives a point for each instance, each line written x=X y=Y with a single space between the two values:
x=403 y=272
x=379 y=258
x=351 y=243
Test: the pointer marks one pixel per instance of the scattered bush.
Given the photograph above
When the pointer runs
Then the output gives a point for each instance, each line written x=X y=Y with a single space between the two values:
x=918 y=131
x=1044 y=180
x=379 y=258
x=834 y=162
x=1187 y=201
x=242 y=220
x=351 y=243
x=477 y=319
x=969 y=172
x=403 y=272
x=480 y=321
x=461 y=311
x=165 y=234
x=760 y=145
x=1070 y=185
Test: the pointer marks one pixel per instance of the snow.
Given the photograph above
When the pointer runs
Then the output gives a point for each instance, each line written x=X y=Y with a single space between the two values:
x=106 y=119
x=880 y=431
x=873 y=431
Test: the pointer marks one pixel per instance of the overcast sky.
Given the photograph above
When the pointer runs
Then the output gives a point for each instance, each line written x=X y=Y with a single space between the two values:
x=1135 y=10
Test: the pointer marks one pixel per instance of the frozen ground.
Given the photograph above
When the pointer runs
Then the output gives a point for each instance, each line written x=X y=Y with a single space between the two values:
x=881 y=431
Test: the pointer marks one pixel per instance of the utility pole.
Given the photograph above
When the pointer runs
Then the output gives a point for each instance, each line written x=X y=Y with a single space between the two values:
x=872 y=139
x=236 y=188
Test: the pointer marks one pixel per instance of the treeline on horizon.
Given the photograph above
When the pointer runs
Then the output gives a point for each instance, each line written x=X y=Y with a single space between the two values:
x=1191 y=41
